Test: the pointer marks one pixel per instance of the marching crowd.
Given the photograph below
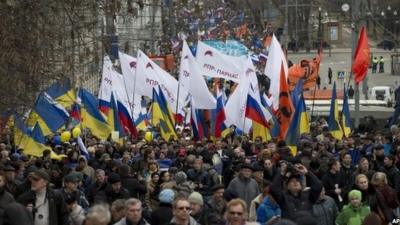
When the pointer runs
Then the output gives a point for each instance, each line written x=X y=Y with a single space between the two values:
x=227 y=181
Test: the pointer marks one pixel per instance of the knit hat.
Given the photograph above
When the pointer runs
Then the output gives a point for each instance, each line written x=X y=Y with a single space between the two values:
x=196 y=198
x=166 y=196
x=180 y=177
x=355 y=194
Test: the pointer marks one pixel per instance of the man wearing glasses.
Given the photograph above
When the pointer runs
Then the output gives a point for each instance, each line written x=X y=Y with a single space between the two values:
x=181 y=210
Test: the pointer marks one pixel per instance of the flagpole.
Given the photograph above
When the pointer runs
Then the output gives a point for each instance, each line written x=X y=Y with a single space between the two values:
x=177 y=102
x=354 y=35
x=313 y=101
x=134 y=91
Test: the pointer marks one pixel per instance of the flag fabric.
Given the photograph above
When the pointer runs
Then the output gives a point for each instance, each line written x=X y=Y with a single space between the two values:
x=82 y=148
x=35 y=144
x=142 y=122
x=149 y=76
x=214 y=63
x=193 y=123
x=50 y=115
x=128 y=67
x=254 y=110
x=62 y=92
x=106 y=86
x=297 y=92
x=113 y=119
x=161 y=116
x=333 y=120
x=276 y=66
x=346 y=120
x=126 y=120
x=191 y=80
x=21 y=132
x=361 y=57
x=219 y=115
x=91 y=117
x=285 y=109
x=300 y=124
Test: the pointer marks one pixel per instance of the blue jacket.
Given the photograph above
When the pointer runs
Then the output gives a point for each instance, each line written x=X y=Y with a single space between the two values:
x=267 y=210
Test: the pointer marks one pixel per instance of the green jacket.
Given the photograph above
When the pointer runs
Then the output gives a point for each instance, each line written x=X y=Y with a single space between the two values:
x=352 y=216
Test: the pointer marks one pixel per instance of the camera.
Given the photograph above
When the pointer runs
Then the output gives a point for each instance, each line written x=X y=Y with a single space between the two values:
x=290 y=167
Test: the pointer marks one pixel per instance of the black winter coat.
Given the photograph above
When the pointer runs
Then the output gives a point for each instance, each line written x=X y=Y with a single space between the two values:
x=58 y=212
x=292 y=205
x=163 y=215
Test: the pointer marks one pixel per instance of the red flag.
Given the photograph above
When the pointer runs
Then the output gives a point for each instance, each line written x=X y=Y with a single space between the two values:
x=361 y=57
x=285 y=111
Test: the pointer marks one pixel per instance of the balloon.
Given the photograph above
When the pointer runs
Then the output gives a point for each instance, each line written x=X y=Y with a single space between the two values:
x=76 y=132
x=65 y=136
x=57 y=140
x=148 y=136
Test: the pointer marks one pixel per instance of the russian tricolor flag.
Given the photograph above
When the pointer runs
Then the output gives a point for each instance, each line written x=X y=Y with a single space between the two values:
x=126 y=120
x=254 y=110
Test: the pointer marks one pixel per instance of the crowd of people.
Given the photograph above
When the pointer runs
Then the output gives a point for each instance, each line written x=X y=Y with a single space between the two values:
x=230 y=181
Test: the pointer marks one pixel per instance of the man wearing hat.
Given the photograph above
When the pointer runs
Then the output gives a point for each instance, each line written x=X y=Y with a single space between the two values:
x=295 y=200
x=197 y=205
x=245 y=186
x=163 y=214
x=71 y=184
x=378 y=159
x=216 y=205
x=46 y=205
x=113 y=191
x=12 y=183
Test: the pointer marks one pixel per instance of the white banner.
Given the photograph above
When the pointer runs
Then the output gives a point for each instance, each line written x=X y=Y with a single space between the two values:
x=149 y=75
x=193 y=82
x=214 y=63
x=276 y=58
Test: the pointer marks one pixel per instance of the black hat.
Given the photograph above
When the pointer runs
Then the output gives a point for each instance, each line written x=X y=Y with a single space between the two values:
x=257 y=168
x=114 y=178
x=71 y=178
x=378 y=146
x=294 y=176
x=40 y=173
x=217 y=187
x=246 y=166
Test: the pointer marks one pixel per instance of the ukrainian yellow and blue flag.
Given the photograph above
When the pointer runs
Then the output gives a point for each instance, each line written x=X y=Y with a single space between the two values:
x=21 y=132
x=300 y=124
x=91 y=117
x=113 y=119
x=333 y=120
x=346 y=120
x=142 y=122
x=161 y=116
x=62 y=92
x=35 y=144
x=50 y=115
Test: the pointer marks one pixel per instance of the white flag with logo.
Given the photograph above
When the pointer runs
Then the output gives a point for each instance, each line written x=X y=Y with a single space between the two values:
x=214 y=63
x=276 y=58
x=106 y=80
x=150 y=75
x=128 y=67
x=193 y=82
